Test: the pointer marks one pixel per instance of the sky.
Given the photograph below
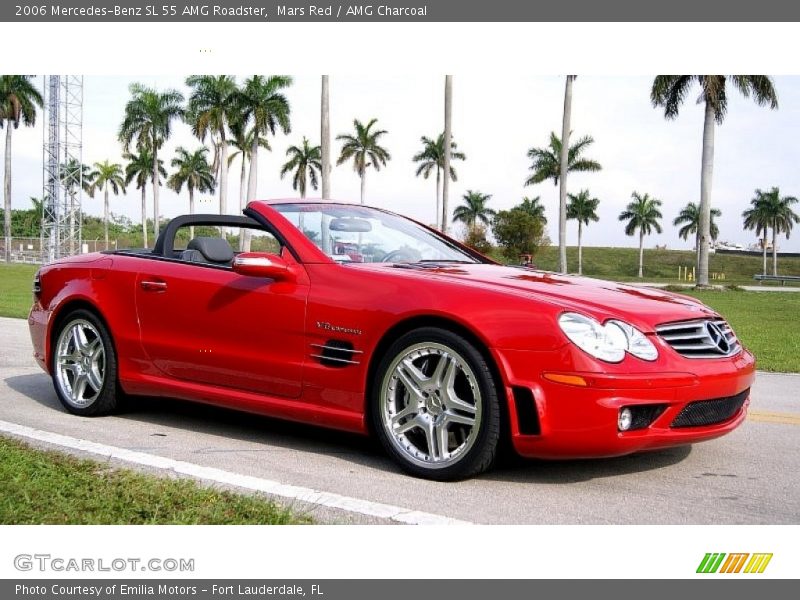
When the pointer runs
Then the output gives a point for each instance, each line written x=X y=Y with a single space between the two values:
x=495 y=121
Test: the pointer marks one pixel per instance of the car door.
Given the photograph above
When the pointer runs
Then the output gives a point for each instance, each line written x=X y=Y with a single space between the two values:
x=207 y=324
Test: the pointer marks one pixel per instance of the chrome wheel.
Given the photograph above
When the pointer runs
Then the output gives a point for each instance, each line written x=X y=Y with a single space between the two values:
x=80 y=367
x=430 y=405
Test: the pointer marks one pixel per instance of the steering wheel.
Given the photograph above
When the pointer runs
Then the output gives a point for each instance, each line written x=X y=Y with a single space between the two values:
x=402 y=255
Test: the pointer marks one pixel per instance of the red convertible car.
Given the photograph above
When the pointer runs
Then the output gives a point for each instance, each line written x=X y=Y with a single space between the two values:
x=362 y=320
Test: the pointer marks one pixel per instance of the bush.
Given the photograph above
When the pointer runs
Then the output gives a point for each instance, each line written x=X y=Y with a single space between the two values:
x=518 y=233
x=476 y=239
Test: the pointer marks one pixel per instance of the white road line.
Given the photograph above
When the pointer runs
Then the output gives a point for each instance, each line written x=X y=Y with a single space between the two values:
x=267 y=486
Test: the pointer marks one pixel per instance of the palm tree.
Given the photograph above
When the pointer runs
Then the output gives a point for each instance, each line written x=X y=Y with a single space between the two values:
x=242 y=142
x=261 y=103
x=140 y=169
x=474 y=209
x=18 y=102
x=689 y=217
x=264 y=106
x=148 y=120
x=108 y=175
x=212 y=109
x=547 y=165
x=363 y=148
x=72 y=172
x=305 y=161
x=641 y=214
x=534 y=207
x=759 y=217
x=669 y=91
x=783 y=219
x=192 y=170
x=767 y=210
x=582 y=208
x=432 y=157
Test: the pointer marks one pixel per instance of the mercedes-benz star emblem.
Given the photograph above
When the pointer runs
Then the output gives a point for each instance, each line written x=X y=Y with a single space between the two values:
x=717 y=337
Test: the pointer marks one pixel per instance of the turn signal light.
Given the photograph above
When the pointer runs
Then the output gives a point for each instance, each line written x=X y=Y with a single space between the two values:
x=567 y=379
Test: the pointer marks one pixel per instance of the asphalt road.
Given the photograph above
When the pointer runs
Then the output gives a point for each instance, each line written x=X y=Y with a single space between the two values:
x=749 y=476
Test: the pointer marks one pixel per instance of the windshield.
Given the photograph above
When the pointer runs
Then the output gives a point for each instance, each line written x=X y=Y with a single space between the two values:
x=358 y=234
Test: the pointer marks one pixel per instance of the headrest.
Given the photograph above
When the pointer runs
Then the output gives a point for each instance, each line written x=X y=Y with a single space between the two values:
x=213 y=249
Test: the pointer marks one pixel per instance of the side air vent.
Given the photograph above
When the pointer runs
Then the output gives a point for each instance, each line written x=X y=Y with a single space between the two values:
x=336 y=353
x=527 y=414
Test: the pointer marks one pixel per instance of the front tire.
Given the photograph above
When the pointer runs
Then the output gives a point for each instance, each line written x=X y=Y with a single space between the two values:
x=435 y=407
x=85 y=365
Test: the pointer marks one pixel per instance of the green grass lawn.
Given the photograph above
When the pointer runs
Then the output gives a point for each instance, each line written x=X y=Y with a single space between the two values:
x=622 y=264
x=44 y=487
x=16 y=285
x=766 y=322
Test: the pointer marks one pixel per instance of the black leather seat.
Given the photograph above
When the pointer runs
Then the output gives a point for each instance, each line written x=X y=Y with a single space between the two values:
x=212 y=250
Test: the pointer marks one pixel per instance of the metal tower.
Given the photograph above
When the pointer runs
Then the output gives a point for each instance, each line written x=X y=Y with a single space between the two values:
x=63 y=172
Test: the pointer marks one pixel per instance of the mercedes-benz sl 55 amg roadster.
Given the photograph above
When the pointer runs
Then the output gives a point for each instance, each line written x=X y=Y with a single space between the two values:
x=355 y=318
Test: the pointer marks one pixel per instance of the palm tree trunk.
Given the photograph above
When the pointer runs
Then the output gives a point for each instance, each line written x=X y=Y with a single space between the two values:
x=223 y=174
x=325 y=132
x=144 y=215
x=562 y=180
x=242 y=180
x=438 y=187
x=696 y=245
x=105 y=214
x=580 y=248
x=704 y=227
x=301 y=218
x=641 y=252
x=448 y=136
x=191 y=212
x=7 y=193
x=764 y=249
x=774 y=250
x=363 y=182
x=71 y=222
x=155 y=191
x=252 y=191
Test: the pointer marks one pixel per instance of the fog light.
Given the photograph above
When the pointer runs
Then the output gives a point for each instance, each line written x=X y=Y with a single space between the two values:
x=625 y=419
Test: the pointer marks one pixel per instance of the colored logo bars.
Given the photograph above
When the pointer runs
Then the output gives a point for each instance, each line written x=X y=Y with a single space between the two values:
x=713 y=563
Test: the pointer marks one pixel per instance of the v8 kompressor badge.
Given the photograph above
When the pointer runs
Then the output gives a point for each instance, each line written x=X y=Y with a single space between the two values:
x=328 y=327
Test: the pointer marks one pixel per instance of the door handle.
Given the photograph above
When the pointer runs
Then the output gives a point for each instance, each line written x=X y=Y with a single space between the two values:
x=153 y=286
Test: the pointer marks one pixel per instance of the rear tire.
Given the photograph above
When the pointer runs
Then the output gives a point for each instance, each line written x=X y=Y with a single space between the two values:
x=435 y=405
x=85 y=365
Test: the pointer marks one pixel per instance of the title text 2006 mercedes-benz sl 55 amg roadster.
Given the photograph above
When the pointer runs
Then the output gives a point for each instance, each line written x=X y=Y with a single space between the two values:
x=362 y=320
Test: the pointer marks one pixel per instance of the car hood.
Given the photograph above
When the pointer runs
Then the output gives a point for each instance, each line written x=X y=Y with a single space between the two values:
x=641 y=306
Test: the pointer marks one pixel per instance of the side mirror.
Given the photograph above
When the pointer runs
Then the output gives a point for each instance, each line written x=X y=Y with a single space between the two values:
x=261 y=264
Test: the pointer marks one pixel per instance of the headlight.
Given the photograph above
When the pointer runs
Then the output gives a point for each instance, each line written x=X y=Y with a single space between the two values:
x=607 y=342
x=636 y=342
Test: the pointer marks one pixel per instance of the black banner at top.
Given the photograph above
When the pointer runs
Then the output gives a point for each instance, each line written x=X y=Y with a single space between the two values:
x=399 y=11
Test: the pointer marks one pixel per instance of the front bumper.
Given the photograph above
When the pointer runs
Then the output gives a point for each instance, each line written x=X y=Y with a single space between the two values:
x=581 y=421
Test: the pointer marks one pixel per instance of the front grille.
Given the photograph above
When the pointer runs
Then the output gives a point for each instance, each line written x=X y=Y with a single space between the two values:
x=702 y=338
x=710 y=412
